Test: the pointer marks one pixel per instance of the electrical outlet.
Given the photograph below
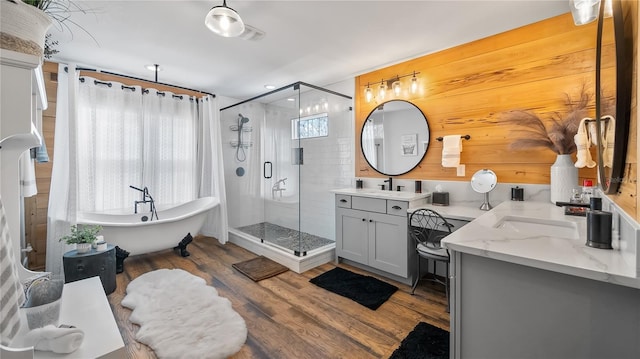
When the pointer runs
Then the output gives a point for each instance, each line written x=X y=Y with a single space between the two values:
x=460 y=170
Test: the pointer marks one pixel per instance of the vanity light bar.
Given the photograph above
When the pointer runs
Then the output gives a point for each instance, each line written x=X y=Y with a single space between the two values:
x=393 y=83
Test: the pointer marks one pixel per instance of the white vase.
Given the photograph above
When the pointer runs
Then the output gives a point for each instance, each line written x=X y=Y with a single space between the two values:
x=564 y=178
x=23 y=27
x=83 y=247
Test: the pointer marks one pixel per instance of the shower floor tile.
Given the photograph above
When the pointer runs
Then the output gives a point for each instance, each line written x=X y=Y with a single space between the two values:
x=286 y=237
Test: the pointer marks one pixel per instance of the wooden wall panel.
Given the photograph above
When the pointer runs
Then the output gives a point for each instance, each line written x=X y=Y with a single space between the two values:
x=465 y=89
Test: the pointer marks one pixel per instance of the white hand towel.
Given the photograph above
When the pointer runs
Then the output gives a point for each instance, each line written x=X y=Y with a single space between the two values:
x=27 y=175
x=608 y=141
x=582 y=144
x=451 y=148
x=11 y=293
x=54 y=339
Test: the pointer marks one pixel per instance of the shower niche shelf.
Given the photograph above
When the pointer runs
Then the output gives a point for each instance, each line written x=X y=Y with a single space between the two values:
x=236 y=144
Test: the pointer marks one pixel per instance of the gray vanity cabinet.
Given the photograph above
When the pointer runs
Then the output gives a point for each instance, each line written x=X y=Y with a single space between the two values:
x=373 y=232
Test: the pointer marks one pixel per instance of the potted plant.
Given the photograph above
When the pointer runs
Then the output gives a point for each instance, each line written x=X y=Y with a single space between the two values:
x=23 y=27
x=82 y=237
x=24 y=24
x=558 y=137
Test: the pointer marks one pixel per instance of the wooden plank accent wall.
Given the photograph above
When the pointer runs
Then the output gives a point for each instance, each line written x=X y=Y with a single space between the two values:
x=464 y=89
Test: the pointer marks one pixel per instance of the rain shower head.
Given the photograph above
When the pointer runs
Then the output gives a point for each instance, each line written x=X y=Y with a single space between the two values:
x=242 y=118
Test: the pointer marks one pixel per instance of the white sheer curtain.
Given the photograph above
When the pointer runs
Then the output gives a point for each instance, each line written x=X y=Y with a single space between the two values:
x=211 y=168
x=170 y=145
x=62 y=197
x=109 y=147
x=109 y=136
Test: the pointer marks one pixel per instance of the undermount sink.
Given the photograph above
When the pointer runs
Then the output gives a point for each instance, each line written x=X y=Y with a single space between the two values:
x=386 y=194
x=539 y=227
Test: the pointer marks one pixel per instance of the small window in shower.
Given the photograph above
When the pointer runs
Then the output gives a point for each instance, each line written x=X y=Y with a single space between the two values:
x=310 y=126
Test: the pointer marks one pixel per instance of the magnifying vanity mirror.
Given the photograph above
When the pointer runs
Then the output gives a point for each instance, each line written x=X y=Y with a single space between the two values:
x=484 y=181
x=614 y=60
x=395 y=137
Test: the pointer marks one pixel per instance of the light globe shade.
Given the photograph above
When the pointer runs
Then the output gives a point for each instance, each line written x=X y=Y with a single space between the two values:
x=584 y=11
x=224 y=21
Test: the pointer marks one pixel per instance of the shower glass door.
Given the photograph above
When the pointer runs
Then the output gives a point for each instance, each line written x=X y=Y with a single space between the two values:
x=281 y=171
x=287 y=150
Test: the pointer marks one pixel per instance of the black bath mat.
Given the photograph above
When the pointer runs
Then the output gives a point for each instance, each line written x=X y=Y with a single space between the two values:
x=368 y=291
x=424 y=342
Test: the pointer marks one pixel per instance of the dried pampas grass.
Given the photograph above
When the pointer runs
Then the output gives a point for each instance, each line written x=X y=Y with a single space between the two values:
x=557 y=136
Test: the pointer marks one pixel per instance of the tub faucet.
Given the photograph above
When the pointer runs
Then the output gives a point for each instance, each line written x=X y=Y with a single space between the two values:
x=277 y=188
x=146 y=198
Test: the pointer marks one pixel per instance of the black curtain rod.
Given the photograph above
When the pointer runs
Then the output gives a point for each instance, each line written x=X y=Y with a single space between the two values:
x=139 y=79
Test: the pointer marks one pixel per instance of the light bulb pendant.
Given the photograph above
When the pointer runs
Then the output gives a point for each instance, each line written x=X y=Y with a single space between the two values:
x=368 y=94
x=397 y=89
x=383 y=90
x=414 y=84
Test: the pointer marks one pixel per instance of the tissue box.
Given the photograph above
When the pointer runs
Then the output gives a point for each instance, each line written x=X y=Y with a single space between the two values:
x=440 y=198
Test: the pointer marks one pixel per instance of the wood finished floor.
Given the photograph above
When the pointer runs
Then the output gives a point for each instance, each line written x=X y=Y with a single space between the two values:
x=286 y=316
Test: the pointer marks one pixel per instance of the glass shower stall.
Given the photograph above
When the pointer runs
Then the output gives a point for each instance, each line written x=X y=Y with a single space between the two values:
x=284 y=151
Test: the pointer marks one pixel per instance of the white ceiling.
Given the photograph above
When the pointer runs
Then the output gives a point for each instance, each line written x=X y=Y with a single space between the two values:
x=318 y=42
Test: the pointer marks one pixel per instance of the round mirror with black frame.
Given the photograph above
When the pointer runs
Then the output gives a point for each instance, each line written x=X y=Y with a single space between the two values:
x=614 y=60
x=395 y=137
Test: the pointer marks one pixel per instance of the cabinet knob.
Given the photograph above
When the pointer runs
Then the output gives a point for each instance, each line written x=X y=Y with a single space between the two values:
x=343 y=200
x=364 y=219
x=371 y=220
x=396 y=207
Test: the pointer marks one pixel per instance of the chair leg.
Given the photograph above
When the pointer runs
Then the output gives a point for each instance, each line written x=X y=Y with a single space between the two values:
x=417 y=279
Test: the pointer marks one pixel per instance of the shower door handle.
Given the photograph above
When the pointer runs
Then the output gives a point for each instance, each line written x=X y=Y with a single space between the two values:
x=264 y=169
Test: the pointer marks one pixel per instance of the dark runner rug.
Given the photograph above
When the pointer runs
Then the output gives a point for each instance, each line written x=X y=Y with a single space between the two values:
x=260 y=268
x=424 y=342
x=368 y=291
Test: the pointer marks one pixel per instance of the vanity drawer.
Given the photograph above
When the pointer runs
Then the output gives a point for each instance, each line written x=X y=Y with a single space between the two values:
x=343 y=201
x=397 y=208
x=369 y=204
x=456 y=223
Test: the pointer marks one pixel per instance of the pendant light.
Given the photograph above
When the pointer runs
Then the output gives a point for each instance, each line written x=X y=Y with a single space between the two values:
x=382 y=92
x=224 y=21
x=584 y=11
x=397 y=88
x=368 y=93
x=414 y=83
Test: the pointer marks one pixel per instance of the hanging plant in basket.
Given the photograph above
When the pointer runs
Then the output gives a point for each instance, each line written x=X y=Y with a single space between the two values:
x=24 y=24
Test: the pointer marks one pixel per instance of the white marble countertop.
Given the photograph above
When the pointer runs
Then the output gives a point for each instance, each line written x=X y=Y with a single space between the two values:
x=544 y=248
x=464 y=213
x=378 y=193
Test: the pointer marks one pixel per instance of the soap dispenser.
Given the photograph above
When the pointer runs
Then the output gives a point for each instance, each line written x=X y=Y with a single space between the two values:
x=599 y=229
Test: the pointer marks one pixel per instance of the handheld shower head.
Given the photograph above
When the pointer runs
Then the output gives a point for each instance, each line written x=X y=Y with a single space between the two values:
x=242 y=119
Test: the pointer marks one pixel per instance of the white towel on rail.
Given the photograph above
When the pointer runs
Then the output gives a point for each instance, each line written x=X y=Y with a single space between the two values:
x=28 y=175
x=451 y=148
x=11 y=293
x=582 y=145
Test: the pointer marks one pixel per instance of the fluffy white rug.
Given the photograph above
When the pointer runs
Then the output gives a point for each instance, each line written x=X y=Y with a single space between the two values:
x=180 y=316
